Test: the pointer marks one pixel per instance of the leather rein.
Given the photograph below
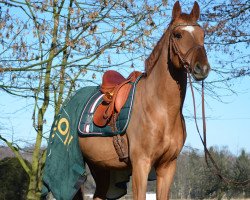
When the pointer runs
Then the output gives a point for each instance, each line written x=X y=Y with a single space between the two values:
x=183 y=58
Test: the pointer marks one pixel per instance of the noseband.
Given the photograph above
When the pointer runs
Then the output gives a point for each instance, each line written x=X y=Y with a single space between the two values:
x=176 y=48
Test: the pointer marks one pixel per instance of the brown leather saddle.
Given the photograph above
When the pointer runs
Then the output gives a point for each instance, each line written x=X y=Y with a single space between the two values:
x=116 y=89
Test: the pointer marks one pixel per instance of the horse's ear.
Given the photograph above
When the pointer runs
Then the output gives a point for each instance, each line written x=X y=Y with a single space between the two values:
x=176 y=10
x=195 y=13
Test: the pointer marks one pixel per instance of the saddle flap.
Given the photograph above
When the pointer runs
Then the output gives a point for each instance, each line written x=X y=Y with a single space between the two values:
x=99 y=119
x=122 y=96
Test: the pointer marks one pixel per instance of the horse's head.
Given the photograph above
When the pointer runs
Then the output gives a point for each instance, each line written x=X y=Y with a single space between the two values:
x=187 y=42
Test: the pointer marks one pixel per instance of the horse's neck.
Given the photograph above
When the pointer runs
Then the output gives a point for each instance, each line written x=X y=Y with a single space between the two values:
x=165 y=87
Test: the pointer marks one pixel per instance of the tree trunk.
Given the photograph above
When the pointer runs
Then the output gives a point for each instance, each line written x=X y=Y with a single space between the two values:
x=33 y=191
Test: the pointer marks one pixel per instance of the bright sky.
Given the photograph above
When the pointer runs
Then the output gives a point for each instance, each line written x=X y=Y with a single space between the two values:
x=228 y=124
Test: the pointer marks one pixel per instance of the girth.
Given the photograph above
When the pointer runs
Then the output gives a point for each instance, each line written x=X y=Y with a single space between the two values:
x=116 y=90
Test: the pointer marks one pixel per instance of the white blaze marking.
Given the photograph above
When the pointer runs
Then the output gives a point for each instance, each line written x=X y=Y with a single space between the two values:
x=189 y=29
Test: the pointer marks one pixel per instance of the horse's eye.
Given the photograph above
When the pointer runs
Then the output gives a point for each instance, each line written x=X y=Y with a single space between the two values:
x=177 y=35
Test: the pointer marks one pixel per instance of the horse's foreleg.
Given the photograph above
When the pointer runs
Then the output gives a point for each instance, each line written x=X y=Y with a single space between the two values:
x=140 y=171
x=165 y=175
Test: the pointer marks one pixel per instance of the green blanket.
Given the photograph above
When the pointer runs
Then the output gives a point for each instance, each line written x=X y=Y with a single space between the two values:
x=64 y=166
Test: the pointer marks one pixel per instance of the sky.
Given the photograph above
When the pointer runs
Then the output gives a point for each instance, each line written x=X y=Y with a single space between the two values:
x=228 y=124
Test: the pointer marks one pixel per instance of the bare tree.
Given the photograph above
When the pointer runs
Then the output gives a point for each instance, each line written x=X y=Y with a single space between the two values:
x=228 y=38
x=50 y=48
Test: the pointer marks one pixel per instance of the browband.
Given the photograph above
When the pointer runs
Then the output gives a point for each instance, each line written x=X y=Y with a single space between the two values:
x=184 y=24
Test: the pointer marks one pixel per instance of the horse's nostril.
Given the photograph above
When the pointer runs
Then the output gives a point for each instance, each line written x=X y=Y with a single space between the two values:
x=202 y=70
x=197 y=68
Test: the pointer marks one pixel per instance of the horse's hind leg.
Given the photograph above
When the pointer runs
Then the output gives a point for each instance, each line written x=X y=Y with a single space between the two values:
x=79 y=195
x=101 y=177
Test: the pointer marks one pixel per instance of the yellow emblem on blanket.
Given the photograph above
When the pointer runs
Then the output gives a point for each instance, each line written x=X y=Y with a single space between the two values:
x=63 y=126
x=64 y=129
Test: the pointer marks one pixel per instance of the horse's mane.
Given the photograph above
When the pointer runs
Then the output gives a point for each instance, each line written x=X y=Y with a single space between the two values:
x=154 y=56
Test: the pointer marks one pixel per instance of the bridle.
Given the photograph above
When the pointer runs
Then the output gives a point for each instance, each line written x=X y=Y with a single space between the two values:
x=183 y=58
x=174 y=46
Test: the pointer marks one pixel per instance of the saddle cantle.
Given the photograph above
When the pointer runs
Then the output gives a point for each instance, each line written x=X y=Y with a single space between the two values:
x=116 y=89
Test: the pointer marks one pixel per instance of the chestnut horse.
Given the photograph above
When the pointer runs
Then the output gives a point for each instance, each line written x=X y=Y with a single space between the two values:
x=156 y=132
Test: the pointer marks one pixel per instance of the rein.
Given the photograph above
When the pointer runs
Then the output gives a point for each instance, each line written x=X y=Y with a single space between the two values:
x=216 y=170
x=183 y=58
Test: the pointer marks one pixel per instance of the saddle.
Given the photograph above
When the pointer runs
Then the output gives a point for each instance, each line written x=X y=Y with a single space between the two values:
x=115 y=89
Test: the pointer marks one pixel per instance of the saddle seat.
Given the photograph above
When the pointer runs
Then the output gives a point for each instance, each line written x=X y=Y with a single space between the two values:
x=111 y=79
x=115 y=89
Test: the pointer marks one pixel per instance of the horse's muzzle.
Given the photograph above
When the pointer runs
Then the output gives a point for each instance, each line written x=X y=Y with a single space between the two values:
x=200 y=72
